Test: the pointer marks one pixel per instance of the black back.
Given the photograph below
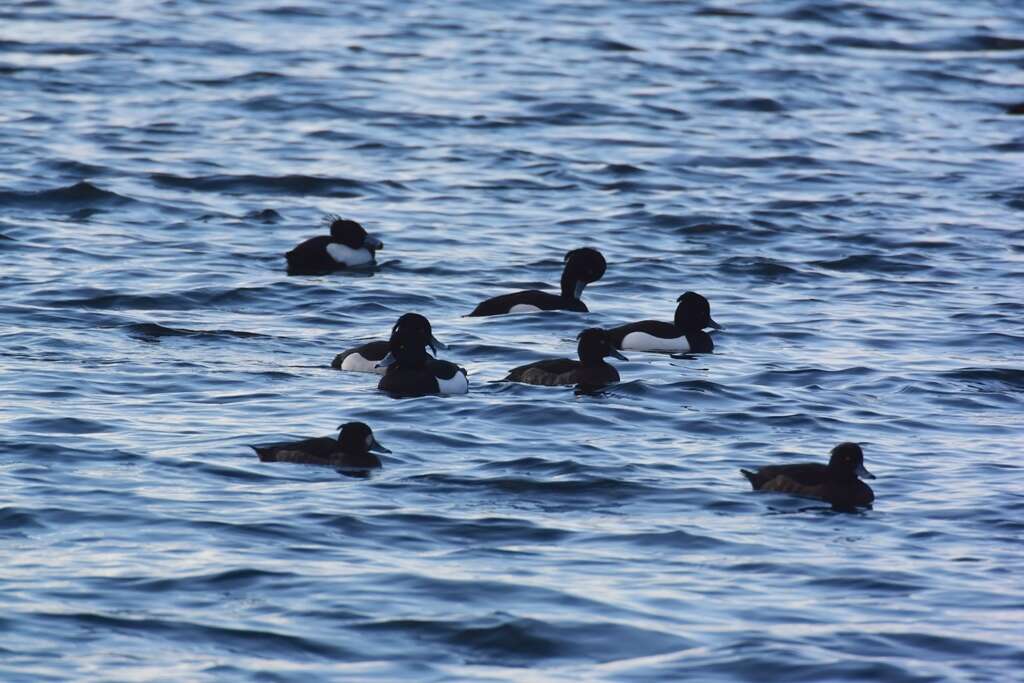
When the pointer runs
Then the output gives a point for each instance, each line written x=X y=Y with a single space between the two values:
x=545 y=301
x=804 y=473
x=321 y=447
x=311 y=257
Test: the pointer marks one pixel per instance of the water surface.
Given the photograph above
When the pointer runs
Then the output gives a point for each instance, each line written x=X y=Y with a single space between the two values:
x=841 y=179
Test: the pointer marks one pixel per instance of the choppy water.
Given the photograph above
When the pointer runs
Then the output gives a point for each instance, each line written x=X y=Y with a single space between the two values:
x=841 y=179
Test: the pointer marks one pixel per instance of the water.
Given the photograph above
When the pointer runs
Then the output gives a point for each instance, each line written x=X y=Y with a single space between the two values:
x=840 y=179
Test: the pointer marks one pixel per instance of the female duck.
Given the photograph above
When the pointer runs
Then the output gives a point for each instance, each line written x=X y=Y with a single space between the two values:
x=835 y=483
x=411 y=371
x=367 y=358
x=589 y=371
x=582 y=266
x=351 y=450
x=348 y=246
x=685 y=334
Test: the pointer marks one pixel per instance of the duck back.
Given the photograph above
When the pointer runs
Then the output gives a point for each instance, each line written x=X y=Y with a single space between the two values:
x=362 y=358
x=316 y=450
x=529 y=299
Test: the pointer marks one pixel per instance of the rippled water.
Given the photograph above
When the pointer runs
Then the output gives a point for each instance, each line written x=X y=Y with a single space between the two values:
x=841 y=179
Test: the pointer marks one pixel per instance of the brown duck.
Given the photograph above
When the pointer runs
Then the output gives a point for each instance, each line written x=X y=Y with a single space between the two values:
x=351 y=450
x=836 y=483
x=589 y=371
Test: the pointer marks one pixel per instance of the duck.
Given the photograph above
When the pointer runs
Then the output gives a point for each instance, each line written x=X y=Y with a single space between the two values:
x=353 y=449
x=348 y=246
x=367 y=357
x=582 y=267
x=591 y=370
x=836 y=483
x=685 y=334
x=411 y=371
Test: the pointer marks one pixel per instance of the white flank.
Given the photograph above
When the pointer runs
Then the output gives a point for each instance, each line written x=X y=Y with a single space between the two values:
x=348 y=256
x=356 y=363
x=459 y=384
x=523 y=308
x=641 y=341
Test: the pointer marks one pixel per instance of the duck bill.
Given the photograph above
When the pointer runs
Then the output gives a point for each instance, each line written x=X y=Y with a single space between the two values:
x=616 y=354
x=863 y=473
x=377 y=448
x=387 y=361
x=372 y=243
x=580 y=286
x=712 y=324
x=436 y=344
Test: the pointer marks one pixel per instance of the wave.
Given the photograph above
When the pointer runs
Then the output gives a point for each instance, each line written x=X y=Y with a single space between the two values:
x=519 y=641
x=82 y=194
x=969 y=43
x=190 y=633
x=754 y=104
x=760 y=267
x=295 y=184
x=1000 y=379
x=156 y=332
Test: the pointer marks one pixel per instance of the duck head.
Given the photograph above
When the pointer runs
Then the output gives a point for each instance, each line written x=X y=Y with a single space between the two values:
x=582 y=266
x=418 y=324
x=352 y=234
x=595 y=345
x=848 y=461
x=694 y=313
x=357 y=438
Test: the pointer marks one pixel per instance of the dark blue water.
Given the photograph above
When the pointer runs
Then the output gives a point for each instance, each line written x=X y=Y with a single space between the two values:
x=841 y=179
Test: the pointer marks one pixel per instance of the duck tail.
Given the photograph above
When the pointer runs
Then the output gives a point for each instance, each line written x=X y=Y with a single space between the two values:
x=751 y=477
x=265 y=454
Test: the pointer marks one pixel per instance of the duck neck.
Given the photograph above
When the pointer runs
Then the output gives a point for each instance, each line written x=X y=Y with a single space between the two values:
x=685 y=324
x=572 y=287
x=591 y=362
x=409 y=356
x=361 y=459
x=844 y=475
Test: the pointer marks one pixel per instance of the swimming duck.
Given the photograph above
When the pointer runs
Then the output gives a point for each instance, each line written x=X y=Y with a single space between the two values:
x=347 y=246
x=589 y=371
x=367 y=357
x=411 y=371
x=351 y=450
x=835 y=483
x=685 y=334
x=582 y=266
